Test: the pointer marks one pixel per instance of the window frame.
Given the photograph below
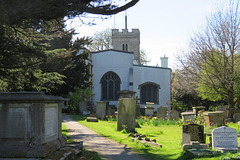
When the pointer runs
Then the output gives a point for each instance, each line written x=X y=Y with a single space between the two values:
x=149 y=87
x=112 y=86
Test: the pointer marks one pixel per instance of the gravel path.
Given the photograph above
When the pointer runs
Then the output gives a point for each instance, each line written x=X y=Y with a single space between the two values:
x=106 y=148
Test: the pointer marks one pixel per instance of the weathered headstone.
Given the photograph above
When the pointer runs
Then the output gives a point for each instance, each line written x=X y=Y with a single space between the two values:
x=173 y=115
x=224 y=109
x=193 y=132
x=111 y=110
x=138 y=113
x=169 y=105
x=149 y=109
x=82 y=106
x=162 y=112
x=101 y=109
x=236 y=117
x=126 y=114
x=224 y=138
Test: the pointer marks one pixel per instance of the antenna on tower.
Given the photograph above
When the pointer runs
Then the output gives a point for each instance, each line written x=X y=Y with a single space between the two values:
x=125 y=16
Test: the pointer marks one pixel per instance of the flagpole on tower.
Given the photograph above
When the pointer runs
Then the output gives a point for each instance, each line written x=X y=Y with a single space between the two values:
x=125 y=16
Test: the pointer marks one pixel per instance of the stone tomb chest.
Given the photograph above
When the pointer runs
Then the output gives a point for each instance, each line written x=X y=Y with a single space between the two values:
x=30 y=124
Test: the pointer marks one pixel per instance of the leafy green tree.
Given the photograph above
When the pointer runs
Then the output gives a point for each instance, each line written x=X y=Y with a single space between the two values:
x=70 y=61
x=214 y=58
x=101 y=41
x=143 y=57
x=21 y=52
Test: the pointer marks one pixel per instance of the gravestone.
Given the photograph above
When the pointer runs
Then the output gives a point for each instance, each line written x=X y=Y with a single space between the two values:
x=138 y=113
x=169 y=105
x=111 y=110
x=236 y=117
x=162 y=112
x=83 y=106
x=149 y=109
x=126 y=115
x=224 y=139
x=193 y=132
x=101 y=108
x=224 y=109
x=173 y=115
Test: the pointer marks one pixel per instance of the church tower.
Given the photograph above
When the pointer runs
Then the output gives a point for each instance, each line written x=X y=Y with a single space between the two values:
x=127 y=41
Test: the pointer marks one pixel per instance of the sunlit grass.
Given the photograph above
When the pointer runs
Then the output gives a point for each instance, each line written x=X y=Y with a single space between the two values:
x=168 y=134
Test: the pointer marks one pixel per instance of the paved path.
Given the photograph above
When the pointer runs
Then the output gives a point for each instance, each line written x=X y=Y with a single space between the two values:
x=107 y=149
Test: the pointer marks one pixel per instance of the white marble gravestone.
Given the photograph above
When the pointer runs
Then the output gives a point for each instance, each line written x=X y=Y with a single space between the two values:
x=224 y=138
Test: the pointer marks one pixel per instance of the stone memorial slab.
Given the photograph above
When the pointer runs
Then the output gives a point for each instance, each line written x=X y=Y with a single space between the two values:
x=224 y=138
x=126 y=114
x=51 y=120
x=224 y=109
x=192 y=132
x=149 y=109
x=173 y=115
x=162 y=112
x=101 y=109
x=236 y=117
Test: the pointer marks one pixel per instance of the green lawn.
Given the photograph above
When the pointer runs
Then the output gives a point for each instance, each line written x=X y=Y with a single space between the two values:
x=169 y=136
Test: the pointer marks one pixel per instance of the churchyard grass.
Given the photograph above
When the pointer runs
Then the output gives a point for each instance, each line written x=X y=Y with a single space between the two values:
x=167 y=133
x=64 y=133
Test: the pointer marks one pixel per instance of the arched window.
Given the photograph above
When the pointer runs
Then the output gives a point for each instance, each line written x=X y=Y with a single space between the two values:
x=110 y=84
x=149 y=92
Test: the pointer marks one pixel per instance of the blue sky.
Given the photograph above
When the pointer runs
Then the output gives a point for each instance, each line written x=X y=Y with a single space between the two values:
x=165 y=25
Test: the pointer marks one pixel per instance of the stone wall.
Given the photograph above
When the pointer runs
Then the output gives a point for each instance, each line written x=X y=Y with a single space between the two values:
x=30 y=124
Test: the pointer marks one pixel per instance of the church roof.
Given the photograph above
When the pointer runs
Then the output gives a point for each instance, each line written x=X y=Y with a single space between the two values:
x=112 y=50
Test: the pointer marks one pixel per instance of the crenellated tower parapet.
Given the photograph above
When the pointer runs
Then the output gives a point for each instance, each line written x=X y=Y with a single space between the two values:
x=127 y=41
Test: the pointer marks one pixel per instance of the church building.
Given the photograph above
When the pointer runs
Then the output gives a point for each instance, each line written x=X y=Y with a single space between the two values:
x=119 y=69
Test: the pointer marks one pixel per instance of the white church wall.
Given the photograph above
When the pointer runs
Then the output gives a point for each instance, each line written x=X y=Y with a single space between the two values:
x=158 y=75
x=110 y=60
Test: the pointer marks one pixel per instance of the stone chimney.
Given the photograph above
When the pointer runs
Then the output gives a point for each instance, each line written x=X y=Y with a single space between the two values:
x=164 y=62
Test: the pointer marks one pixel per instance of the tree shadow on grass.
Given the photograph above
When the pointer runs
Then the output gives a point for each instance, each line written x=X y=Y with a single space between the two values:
x=78 y=117
x=146 y=154
x=188 y=155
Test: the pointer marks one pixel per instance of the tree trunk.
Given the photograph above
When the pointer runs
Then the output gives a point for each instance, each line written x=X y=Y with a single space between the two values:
x=231 y=105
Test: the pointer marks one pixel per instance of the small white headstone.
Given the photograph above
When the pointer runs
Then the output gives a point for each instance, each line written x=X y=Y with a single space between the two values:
x=224 y=138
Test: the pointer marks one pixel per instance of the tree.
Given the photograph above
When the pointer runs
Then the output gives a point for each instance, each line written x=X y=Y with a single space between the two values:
x=101 y=41
x=15 y=11
x=184 y=94
x=143 y=57
x=21 y=52
x=67 y=61
x=214 y=58
x=42 y=58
